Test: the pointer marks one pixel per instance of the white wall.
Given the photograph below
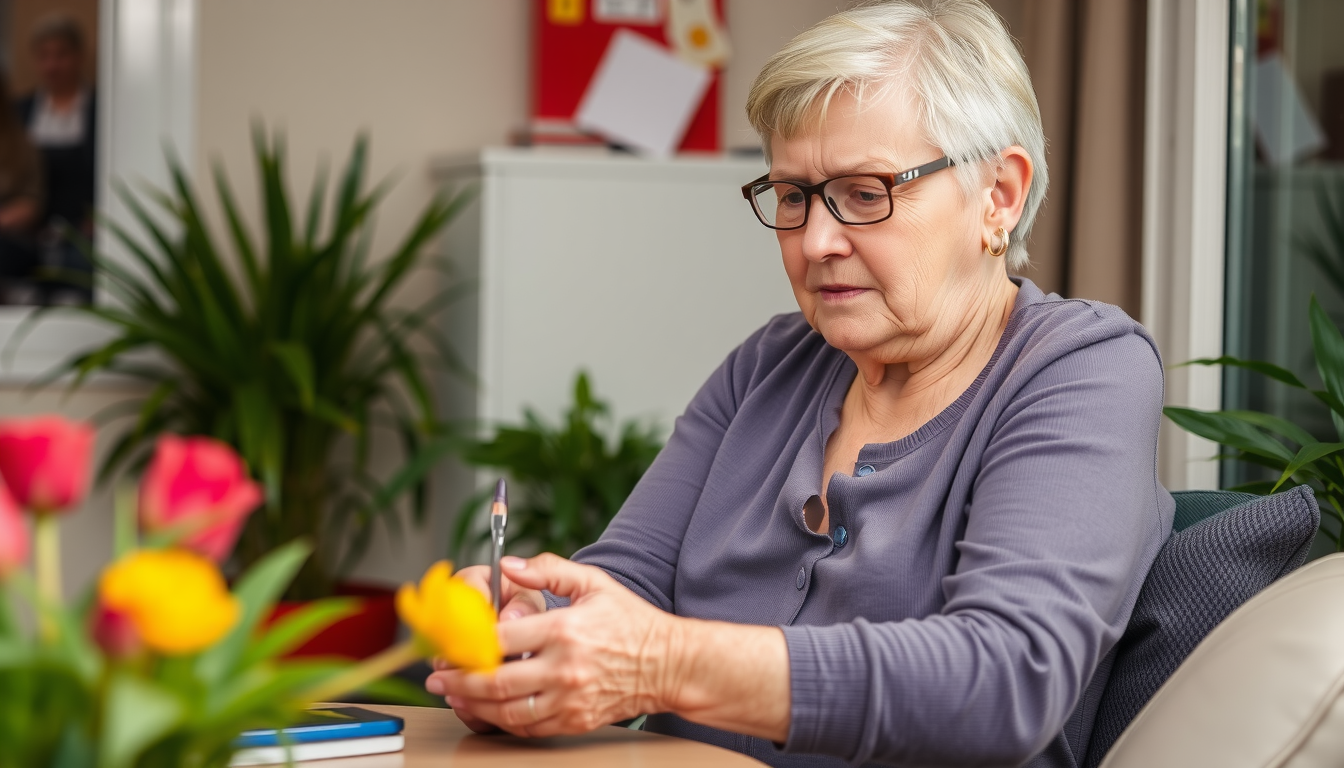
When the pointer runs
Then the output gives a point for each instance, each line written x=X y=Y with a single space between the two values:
x=423 y=78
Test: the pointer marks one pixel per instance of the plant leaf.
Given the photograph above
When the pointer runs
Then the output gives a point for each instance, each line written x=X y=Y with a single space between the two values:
x=1275 y=424
x=257 y=590
x=1306 y=456
x=298 y=627
x=1268 y=369
x=298 y=363
x=136 y=714
x=1225 y=429
x=1328 y=345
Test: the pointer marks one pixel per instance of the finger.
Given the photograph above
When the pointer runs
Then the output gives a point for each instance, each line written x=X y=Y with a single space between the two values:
x=517 y=678
x=515 y=715
x=476 y=724
x=477 y=576
x=551 y=572
x=529 y=634
x=519 y=607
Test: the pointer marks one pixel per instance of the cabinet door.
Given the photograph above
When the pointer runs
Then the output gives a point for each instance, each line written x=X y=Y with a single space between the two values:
x=645 y=274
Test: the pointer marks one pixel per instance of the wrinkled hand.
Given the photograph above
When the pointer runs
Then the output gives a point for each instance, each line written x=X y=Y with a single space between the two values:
x=516 y=601
x=603 y=659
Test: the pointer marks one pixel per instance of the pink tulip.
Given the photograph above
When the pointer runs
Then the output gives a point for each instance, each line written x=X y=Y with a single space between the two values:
x=199 y=486
x=45 y=461
x=114 y=632
x=13 y=535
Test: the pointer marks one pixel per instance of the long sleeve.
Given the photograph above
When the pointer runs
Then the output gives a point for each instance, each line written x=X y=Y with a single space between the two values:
x=1063 y=516
x=642 y=545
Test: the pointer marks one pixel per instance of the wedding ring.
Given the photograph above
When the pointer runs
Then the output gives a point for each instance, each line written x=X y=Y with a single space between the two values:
x=532 y=707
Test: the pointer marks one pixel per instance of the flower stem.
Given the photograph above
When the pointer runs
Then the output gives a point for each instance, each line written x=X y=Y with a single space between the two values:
x=367 y=671
x=47 y=561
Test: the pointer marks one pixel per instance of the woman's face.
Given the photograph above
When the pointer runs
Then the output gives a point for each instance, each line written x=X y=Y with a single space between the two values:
x=895 y=289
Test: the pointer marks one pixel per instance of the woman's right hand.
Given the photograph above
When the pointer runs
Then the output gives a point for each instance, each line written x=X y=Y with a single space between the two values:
x=517 y=602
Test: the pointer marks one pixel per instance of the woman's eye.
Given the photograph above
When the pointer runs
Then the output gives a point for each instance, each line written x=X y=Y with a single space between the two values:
x=793 y=197
x=867 y=196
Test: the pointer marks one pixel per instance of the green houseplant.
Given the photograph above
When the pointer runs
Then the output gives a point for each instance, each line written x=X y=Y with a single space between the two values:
x=285 y=345
x=568 y=480
x=1267 y=440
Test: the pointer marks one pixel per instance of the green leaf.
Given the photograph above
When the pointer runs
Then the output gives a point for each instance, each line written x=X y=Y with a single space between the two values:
x=136 y=714
x=257 y=590
x=298 y=363
x=394 y=690
x=298 y=627
x=1328 y=345
x=1308 y=455
x=1275 y=424
x=1268 y=369
x=1225 y=429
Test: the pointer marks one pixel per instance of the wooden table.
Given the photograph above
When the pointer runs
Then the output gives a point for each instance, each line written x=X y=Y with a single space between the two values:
x=435 y=737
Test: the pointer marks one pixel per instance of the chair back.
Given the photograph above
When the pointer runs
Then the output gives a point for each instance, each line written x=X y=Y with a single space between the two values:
x=1225 y=548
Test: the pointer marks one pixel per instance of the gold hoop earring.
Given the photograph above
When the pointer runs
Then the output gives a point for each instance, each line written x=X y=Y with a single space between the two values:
x=1002 y=234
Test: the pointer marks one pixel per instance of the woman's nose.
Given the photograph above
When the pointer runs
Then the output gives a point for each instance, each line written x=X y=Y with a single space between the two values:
x=824 y=236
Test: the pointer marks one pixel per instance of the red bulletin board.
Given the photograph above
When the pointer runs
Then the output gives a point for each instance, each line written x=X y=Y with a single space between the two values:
x=569 y=43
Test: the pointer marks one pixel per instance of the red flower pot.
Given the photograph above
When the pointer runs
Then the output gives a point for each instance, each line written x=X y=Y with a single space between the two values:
x=372 y=628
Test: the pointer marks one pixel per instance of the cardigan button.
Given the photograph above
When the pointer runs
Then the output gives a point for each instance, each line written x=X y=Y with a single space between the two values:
x=865 y=470
x=839 y=536
x=801 y=581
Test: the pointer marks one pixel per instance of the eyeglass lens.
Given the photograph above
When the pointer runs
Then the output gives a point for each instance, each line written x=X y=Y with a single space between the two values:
x=852 y=199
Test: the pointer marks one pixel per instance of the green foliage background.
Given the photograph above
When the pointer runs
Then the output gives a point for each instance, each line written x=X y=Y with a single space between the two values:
x=567 y=480
x=281 y=343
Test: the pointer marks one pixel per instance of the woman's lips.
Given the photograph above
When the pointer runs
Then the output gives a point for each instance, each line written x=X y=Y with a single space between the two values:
x=840 y=292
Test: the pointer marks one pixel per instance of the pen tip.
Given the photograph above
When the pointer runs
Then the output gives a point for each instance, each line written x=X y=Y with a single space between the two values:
x=501 y=492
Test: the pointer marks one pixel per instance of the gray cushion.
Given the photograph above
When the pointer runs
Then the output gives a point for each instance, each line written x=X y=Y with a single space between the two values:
x=1200 y=576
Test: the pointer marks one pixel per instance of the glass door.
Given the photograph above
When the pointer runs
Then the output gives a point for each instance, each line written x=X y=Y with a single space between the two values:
x=1285 y=208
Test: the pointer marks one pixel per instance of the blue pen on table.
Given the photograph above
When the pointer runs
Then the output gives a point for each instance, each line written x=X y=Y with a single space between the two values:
x=499 y=520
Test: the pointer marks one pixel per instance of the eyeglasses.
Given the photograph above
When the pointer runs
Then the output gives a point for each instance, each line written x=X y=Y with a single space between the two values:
x=861 y=198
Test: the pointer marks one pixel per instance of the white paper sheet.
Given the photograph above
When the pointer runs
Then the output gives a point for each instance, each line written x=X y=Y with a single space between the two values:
x=642 y=95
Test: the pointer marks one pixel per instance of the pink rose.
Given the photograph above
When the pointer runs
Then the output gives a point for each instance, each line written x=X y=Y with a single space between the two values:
x=45 y=461
x=199 y=486
x=13 y=535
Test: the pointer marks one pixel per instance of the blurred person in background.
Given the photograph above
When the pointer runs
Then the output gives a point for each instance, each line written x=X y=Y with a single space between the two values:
x=21 y=194
x=61 y=117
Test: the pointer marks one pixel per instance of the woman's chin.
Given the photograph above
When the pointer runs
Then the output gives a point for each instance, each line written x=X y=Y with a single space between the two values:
x=850 y=334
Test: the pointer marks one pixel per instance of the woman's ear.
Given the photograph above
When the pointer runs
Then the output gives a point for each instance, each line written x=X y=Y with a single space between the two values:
x=1008 y=195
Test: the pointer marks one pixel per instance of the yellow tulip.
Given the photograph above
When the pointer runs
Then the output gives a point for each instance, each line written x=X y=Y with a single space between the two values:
x=451 y=617
x=176 y=600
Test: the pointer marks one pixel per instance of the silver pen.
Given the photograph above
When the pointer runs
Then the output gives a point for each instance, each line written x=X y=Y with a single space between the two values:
x=499 y=520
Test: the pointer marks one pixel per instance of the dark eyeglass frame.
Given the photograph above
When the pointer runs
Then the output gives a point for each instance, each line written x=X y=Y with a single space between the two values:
x=889 y=180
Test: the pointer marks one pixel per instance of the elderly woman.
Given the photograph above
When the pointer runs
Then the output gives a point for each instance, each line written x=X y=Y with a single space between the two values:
x=907 y=524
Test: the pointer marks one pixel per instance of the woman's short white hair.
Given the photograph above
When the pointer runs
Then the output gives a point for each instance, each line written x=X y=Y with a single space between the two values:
x=972 y=87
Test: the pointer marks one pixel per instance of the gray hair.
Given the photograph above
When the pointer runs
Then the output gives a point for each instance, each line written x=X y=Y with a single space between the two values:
x=973 y=89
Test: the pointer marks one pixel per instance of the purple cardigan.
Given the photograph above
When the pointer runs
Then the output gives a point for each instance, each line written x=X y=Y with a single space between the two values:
x=964 y=609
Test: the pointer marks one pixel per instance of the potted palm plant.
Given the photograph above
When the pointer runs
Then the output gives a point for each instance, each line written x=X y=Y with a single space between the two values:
x=285 y=344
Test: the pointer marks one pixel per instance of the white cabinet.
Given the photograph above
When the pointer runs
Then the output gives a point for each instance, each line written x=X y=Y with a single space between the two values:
x=645 y=273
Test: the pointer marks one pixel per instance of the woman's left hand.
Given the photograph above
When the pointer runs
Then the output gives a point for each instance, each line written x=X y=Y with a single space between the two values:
x=607 y=657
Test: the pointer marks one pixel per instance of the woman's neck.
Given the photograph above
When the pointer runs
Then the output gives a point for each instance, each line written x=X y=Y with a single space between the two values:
x=892 y=391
